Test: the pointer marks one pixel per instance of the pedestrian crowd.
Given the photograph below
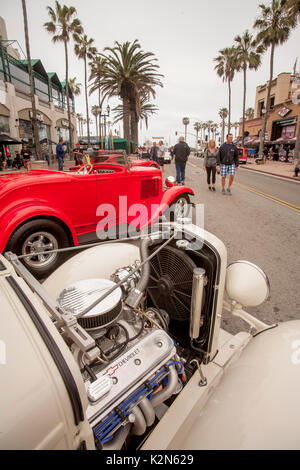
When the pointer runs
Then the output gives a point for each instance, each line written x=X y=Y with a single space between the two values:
x=224 y=161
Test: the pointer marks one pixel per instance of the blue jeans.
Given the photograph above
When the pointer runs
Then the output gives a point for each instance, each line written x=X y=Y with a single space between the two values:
x=180 y=172
x=46 y=158
x=60 y=164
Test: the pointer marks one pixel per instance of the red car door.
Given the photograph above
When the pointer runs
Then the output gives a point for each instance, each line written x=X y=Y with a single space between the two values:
x=80 y=198
x=112 y=189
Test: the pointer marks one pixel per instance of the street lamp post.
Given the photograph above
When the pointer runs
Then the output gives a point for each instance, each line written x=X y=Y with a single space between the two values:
x=261 y=136
x=104 y=115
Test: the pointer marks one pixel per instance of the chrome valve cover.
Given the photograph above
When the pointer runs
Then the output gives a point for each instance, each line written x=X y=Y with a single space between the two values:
x=131 y=369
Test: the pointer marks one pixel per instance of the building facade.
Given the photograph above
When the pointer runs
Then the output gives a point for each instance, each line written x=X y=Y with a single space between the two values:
x=15 y=100
x=284 y=110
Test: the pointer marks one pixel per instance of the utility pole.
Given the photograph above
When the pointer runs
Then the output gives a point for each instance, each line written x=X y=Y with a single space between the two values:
x=34 y=119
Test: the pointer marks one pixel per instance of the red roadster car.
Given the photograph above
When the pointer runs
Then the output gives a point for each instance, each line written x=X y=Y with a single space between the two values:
x=110 y=156
x=42 y=210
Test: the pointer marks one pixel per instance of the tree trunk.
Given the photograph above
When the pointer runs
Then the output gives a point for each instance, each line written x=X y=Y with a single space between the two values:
x=244 y=103
x=223 y=130
x=229 y=107
x=86 y=103
x=134 y=131
x=32 y=95
x=126 y=121
x=96 y=117
x=99 y=96
x=265 y=117
x=68 y=99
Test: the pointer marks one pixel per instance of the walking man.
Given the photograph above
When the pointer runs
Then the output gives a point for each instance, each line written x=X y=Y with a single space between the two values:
x=228 y=158
x=154 y=153
x=60 y=154
x=181 y=152
x=45 y=154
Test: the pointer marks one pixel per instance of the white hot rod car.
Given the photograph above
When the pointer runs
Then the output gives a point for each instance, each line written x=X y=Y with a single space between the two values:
x=121 y=348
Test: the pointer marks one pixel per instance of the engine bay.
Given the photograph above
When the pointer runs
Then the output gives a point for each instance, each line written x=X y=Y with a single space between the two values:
x=139 y=336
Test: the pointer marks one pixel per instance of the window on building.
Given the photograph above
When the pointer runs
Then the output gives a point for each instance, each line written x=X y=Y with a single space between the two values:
x=44 y=131
x=4 y=125
x=64 y=133
x=18 y=73
x=41 y=89
x=19 y=78
x=272 y=102
x=261 y=106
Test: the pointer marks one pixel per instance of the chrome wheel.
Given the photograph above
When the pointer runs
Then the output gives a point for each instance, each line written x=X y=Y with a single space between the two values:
x=37 y=243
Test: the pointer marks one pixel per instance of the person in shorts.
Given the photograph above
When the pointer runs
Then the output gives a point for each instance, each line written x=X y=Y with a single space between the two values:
x=228 y=161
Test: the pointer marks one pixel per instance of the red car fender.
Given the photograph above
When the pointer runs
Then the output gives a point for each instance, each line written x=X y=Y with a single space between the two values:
x=145 y=163
x=22 y=213
x=169 y=195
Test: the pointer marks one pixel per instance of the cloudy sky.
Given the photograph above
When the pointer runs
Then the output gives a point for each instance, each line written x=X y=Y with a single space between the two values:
x=185 y=36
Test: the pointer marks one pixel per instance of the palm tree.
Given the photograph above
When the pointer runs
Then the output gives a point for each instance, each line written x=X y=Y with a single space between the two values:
x=249 y=113
x=75 y=87
x=248 y=57
x=84 y=49
x=63 y=25
x=129 y=72
x=214 y=127
x=79 y=120
x=147 y=109
x=226 y=67
x=96 y=67
x=223 y=113
x=209 y=127
x=204 y=127
x=236 y=125
x=197 y=127
x=293 y=7
x=185 y=122
x=96 y=112
x=34 y=119
x=274 y=27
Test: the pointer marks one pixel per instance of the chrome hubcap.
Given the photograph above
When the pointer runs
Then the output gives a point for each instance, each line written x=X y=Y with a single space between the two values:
x=38 y=243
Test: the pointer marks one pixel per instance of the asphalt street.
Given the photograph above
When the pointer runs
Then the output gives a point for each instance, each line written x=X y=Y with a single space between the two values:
x=260 y=223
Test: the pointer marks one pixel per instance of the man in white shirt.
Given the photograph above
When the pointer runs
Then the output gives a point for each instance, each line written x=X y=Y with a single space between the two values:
x=161 y=153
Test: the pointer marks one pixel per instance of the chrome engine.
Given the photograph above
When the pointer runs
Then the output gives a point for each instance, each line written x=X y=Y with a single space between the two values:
x=136 y=356
x=134 y=363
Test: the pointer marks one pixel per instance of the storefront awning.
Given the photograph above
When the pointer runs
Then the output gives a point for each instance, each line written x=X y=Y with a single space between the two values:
x=7 y=140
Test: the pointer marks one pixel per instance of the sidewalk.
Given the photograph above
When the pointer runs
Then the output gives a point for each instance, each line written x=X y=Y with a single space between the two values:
x=53 y=166
x=283 y=169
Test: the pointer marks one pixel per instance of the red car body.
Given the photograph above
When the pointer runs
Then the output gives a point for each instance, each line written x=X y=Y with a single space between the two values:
x=72 y=200
x=102 y=157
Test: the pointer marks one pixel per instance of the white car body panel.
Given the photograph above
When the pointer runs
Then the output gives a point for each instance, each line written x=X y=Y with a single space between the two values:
x=250 y=400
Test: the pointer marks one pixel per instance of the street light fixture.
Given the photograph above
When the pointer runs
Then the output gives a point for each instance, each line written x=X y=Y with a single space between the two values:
x=104 y=115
